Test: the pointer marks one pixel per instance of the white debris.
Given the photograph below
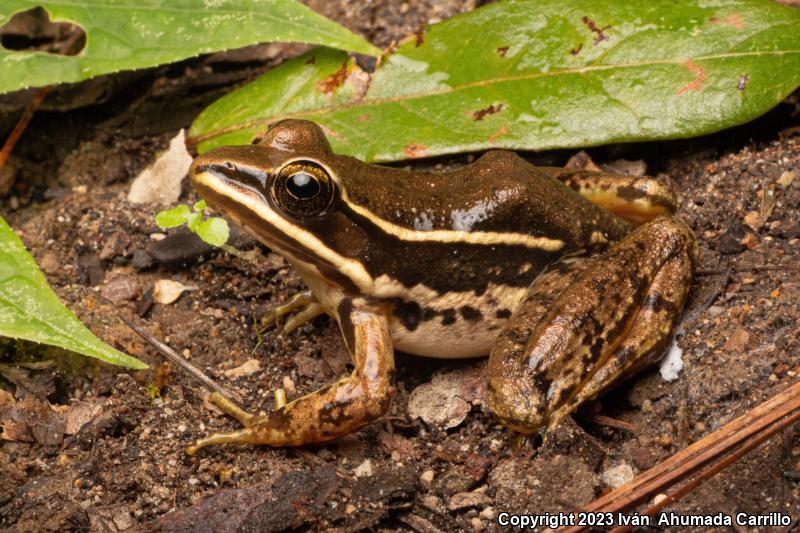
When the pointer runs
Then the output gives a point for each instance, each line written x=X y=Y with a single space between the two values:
x=161 y=181
x=251 y=366
x=166 y=291
x=672 y=364
x=617 y=476
x=364 y=469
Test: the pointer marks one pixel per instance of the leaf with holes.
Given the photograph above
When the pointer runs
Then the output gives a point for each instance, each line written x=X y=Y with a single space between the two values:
x=127 y=34
x=532 y=75
x=30 y=310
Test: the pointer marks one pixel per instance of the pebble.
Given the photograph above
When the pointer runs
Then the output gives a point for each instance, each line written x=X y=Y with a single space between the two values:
x=426 y=479
x=477 y=524
x=364 y=469
x=617 y=476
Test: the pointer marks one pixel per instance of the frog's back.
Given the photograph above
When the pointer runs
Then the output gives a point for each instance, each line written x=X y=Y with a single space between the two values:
x=500 y=193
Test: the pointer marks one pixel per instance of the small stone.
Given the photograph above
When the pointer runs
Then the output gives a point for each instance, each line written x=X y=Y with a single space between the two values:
x=647 y=406
x=121 y=288
x=193 y=481
x=715 y=310
x=617 y=476
x=434 y=503
x=50 y=263
x=123 y=520
x=786 y=179
x=659 y=498
x=141 y=260
x=288 y=385
x=364 y=469
x=488 y=513
x=477 y=524
x=426 y=479
x=495 y=445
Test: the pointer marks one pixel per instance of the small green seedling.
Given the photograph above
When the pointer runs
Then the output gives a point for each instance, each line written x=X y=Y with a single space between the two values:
x=213 y=230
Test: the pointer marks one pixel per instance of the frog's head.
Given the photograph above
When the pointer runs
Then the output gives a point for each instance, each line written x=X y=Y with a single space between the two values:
x=285 y=191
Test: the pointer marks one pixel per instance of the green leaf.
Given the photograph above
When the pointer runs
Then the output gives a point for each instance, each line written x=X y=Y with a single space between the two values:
x=533 y=75
x=200 y=206
x=29 y=309
x=172 y=218
x=214 y=231
x=193 y=221
x=128 y=34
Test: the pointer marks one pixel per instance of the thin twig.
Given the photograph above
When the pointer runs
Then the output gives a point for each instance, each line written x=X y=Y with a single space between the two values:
x=613 y=423
x=170 y=354
x=22 y=123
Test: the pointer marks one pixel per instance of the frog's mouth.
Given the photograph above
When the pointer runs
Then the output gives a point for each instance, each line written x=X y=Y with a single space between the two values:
x=248 y=206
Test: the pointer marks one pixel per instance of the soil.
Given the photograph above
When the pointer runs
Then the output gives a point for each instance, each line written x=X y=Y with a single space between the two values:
x=126 y=469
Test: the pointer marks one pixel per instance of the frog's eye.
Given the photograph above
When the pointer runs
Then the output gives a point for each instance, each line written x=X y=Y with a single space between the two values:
x=303 y=189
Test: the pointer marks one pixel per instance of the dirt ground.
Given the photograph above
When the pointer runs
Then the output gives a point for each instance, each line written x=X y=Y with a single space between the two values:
x=126 y=468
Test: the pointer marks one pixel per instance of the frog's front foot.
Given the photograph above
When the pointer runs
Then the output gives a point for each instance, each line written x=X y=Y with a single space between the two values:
x=587 y=323
x=332 y=411
x=305 y=302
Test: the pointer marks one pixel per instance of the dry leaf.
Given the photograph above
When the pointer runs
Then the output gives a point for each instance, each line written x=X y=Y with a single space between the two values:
x=161 y=181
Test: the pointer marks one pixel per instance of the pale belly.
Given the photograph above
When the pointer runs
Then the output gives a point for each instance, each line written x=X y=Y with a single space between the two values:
x=455 y=325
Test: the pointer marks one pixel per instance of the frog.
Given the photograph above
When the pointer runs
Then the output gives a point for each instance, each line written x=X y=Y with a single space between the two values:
x=570 y=281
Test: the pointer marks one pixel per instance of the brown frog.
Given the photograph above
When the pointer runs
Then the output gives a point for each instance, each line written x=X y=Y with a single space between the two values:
x=568 y=280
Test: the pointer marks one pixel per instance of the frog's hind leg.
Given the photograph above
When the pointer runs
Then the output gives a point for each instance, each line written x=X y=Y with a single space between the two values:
x=332 y=411
x=636 y=199
x=608 y=317
x=305 y=301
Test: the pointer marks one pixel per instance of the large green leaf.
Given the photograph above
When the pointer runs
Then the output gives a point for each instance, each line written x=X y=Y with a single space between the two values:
x=535 y=74
x=131 y=34
x=29 y=309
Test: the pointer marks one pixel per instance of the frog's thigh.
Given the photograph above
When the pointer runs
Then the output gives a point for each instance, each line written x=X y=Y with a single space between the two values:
x=636 y=199
x=337 y=409
x=616 y=315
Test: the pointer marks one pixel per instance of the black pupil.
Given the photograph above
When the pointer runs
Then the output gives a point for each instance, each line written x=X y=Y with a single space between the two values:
x=303 y=185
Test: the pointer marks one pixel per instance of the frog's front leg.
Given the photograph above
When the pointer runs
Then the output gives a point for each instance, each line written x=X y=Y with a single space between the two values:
x=587 y=323
x=332 y=411
x=305 y=301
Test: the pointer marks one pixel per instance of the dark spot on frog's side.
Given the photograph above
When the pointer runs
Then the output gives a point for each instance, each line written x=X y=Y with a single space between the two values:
x=470 y=313
x=503 y=313
x=333 y=412
x=448 y=316
x=409 y=314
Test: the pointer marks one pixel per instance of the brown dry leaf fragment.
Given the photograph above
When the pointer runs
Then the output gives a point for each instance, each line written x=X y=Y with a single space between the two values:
x=700 y=76
x=33 y=417
x=415 y=150
x=463 y=500
x=447 y=399
x=79 y=414
x=39 y=384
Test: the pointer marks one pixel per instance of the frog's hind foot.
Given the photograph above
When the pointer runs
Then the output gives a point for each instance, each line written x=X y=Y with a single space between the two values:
x=587 y=324
x=636 y=199
x=332 y=411
x=309 y=309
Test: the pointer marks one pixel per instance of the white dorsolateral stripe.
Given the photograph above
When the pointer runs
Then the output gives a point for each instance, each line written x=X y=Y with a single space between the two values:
x=468 y=237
